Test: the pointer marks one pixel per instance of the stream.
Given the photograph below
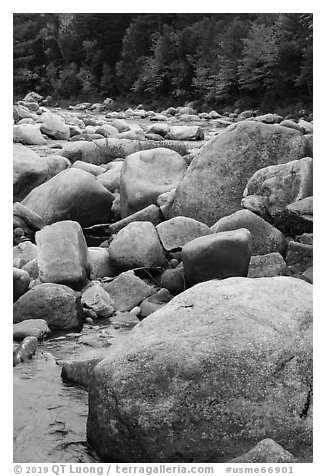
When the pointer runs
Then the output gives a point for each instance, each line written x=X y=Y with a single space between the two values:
x=50 y=415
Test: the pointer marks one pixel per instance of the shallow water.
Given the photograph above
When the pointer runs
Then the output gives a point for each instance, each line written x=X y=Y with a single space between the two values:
x=50 y=415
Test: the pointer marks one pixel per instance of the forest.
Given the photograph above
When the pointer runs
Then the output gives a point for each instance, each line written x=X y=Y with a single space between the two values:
x=261 y=60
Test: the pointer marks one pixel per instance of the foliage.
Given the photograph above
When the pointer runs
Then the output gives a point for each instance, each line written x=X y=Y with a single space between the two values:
x=220 y=59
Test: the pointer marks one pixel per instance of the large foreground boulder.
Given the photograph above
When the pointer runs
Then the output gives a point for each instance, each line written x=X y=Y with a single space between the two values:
x=216 y=178
x=147 y=174
x=29 y=171
x=57 y=304
x=73 y=194
x=220 y=367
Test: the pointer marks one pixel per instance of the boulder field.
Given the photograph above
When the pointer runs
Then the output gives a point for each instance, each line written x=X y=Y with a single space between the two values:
x=193 y=235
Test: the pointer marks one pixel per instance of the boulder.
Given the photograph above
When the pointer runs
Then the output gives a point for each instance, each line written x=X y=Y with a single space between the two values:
x=151 y=213
x=292 y=125
x=120 y=125
x=218 y=256
x=271 y=189
x=31 y=219
x=137 y=245
x=298 y=217
x=266 y=451
x=28 y=134
x=29 y=171
x=94 y=297
x=24 y=253
x=160 y=128
x=185 y=133
x=57 y=304
x=174 y=280
x=78 y=371
x=54 y=126
x=91 y=168
x=31 y=327
x=56 y=164
x=111 y=178
x=107 y=130
x=269 y=265
x=33 y=97
x=269 y=118
x=178 y=231
x=306 y=126
x=147 y=174
x=21 y=280
x=72 y=194
x=32 y=268
x=155 y=302
x=100 y=263
x=127 y=291
x=220 y=367
x=21 y=112
x=265 y=237
x=213 y=184
x=25 y=350
x=63 y=254
x=299 y=257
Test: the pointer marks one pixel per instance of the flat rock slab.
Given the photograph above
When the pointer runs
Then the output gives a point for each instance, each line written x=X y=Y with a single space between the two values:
x=127 y=291
x=31 y=327
x=178 y=231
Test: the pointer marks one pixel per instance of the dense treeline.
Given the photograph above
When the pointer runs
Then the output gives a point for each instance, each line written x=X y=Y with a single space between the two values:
x=244 y=60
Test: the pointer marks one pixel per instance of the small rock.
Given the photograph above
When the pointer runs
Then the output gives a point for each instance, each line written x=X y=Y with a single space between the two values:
x=97 y=299
x=269 y=265
x=31 y=327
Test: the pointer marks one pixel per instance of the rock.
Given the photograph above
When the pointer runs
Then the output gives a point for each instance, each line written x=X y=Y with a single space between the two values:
x=269 y=265
x=153 y=137
x=63 y=254
x=158 y=117
x=246 y=114
x=29 y=171
x=26 y=350
x=305 y=238
x=120 y=125
x=178 y=231
x=160 y=128
x=107 y=130
x=222 y=255
x=165 y=202
x=307 y=275
x=24 y=253
x=31 y=106
x=57 y=304
x=135 y=246
x=56 y=164
x=54 y=126
x=155 y=302
x=32 y=268
x=21 y=282
x=122 y=320
x=72 y=194
x=269 y=118
x=79 y=370
x=185 y=133
x=213 y=184
x=28 y=134
x=266 y=451
x=292 y=125
x=174 y=280
x=21 y=112
x=214 y=115
x=299 y=216
x=97 y=299
x=147 y=174
x=27 y=120
x=91 y=168
x=111 y=179
x=265 y=237
x=100 y=263
x=217 y=369
x=31 y=219
x=127 y=291
x=306 y=126
x=186 y=110
x=299 y=257
x=151 y=213
x=271 y=189
x=31 y=327
x=33 y=97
